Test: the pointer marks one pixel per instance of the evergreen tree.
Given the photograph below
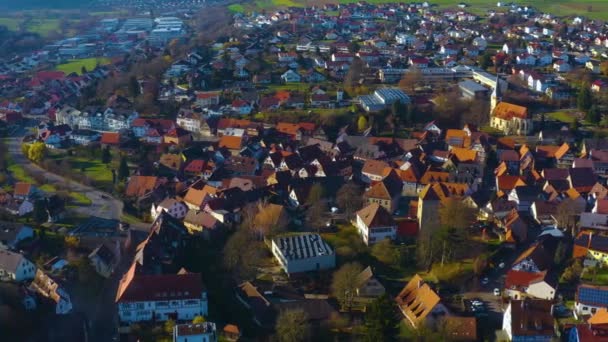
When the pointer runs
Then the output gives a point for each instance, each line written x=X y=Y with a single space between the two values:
x=584 y=99
x=40 y=214
x=123 y=169
x=83 y=70
x=381 y=321
x=106 y=156
x=593 y=115
x=485 y=61
x=133 y=86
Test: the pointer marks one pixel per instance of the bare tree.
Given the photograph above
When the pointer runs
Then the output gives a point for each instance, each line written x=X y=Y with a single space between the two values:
x=344 y=284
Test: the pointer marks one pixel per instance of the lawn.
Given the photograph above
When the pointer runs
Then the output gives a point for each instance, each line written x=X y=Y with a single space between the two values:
x=562 y=116
x=19 y=173
x=450 y=273
x=10 y=23
x=597 y=276
x=94 y=169
x=236 y=8
x=75 y=66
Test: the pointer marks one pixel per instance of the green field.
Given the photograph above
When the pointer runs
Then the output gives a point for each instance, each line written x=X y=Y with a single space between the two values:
x=77 y=64
x=10 y=23
x=236 y=8
x=42 y=26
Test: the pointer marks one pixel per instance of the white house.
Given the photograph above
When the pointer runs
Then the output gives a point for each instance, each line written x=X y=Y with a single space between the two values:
x=291 y=76
x=15 y=267
x=525 y=59
x=561 y=66
x=176 y=209
x=160 y=297
x=529 y=320
x=375 y=224
x=199 y=332
x=302 y=253
x=521 y=284
x=590 y=298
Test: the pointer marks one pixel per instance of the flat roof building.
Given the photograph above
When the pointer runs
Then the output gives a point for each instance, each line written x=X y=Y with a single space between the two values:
x=303 y=252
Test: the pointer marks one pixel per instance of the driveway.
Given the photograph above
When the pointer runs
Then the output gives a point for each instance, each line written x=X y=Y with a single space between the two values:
x=103 y=204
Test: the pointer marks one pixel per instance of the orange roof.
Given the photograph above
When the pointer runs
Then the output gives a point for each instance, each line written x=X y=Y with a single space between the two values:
x=506 y=182
x=417 y=300
x=457 y=137
x=508 y=111
x=562 y=150
x=282 y=95
x=22 y=189
x=110 y=138
x=231 y=329
x=196 y=196
x=378 y=190
x=547 y=151
x=464 y=155
x=434 y=176
x=231 y=142
x=288 y=128
x=140 y=185
x=600 y=317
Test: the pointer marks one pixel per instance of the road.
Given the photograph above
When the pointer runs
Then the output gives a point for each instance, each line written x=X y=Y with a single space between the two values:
x=103 y=204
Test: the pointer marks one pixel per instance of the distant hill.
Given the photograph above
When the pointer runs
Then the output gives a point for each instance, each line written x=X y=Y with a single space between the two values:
x=46 y=4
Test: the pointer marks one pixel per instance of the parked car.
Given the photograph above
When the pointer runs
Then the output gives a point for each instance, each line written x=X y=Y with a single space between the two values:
x=497 y=292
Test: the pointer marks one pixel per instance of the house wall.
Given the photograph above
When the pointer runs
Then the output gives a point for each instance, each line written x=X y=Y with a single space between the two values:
x=541 y=290
x=581 y=309
x=187 y=309
x=26 y=270
x=321 y=262
x=372 y=288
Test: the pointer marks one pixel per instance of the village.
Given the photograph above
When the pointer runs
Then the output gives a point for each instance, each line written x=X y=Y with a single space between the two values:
x=374 y=172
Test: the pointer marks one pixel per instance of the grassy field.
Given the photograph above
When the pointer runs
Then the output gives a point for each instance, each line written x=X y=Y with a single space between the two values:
x=236 y=8
x=10 y=23
x=561 y=116
x=77 y=64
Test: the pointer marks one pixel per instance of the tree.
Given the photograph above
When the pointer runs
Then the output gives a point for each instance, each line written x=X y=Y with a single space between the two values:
x=411 y=79
x=292 y=326
x=593 y=115
x=479 y=265
x=315 y=214
x=72 y=241
x=385 y=252
x=361 y=123
x=198 y=319
x=381 y=321
x=349 y=198
x=168 y=326
x=560 y=253
x=242 y=254
x=36 y=152
x=572 y=273
x=355 y=72
x=40 y=215
x=584 y=99
x=485 y=60
x=316 y=194
x=133 y=86
x=456 y=214
x=106 y=156
x=83 y=70
x=270 y=219
x=123 y=169
x=344 y=284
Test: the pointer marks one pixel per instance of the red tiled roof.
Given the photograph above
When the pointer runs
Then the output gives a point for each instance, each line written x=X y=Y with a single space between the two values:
x=110 y=138
x=162 y=287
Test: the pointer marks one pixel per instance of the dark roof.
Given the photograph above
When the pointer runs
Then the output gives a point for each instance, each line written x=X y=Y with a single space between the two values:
x=162 y=287
x=531 y=317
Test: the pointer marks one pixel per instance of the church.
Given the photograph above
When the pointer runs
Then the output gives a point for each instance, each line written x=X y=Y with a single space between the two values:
x=509 y=118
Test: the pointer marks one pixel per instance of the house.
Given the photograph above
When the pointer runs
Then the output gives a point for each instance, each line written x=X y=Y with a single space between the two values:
x=367 y=286
x=419 y=303
x=110 y=139
x=303 y=253
x=589 y=299
x=386 y=193
x=383 y=98
x=593 y=66
x=511 y=119
x=23 y=191
x=231 y=332
x=522 y=284
x=241 y=107
x=592 y=247
x=140 y=186
x=179 y=296
x=291 y=76
x=200 y=222
x=561 y=66
x=15 y=267
x=375 y=224
x=194 y=332
x=177 y=209
x=84 y=136
x=177 y=136
x=373 y=170
x=103 y=260
x=529 y=320
x=11 y=236
x=47 y=287
x=207 y=98
x=254 y=301
x=233 y=144
x=431 y=198
x=599 y=86
x=461 y=329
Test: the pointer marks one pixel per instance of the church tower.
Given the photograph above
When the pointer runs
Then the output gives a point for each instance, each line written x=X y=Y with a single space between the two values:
x=496 y=96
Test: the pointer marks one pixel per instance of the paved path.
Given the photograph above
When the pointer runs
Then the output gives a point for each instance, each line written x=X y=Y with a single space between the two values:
x=103 y=204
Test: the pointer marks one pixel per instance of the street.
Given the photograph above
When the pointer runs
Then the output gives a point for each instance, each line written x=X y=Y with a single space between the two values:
x=102 y=204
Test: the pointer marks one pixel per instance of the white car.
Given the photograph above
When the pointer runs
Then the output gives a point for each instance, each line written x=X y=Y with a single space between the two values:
x=497 y=292
x=485 y=281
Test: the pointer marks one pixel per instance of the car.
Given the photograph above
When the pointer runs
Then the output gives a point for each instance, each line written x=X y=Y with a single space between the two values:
x=501 y=265
x=477 y=303
x=485 y=281
x=497 y=292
